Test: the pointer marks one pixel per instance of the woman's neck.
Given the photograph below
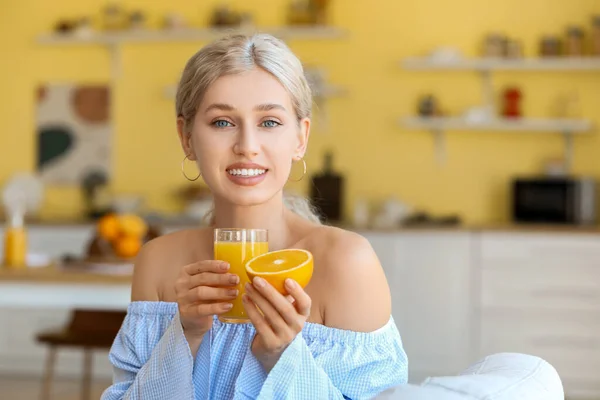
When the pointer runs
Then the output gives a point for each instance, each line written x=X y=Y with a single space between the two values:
x=272 y=215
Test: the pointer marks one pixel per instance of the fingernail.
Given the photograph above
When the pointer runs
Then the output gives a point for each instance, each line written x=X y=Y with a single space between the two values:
x=227 y=306
x=245 y=298
x=290 y=284
x=248 y=287
x=232 y=292
x=224 y=266
x=259 y=282
x=234 y=279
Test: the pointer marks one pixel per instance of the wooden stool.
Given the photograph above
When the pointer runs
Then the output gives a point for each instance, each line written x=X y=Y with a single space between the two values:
x=87 y=329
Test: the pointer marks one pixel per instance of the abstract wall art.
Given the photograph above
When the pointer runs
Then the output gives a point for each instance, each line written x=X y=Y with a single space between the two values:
x=73 y=132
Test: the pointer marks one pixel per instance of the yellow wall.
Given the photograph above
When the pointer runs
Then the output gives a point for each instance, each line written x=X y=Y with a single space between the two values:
x=379 y=158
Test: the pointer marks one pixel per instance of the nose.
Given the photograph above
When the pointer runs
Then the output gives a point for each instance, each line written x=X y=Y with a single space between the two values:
x=247 y=143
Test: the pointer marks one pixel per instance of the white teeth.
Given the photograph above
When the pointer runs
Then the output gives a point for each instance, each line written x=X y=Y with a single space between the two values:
x=246 y=172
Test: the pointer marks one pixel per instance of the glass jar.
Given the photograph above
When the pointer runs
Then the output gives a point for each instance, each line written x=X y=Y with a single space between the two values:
x=596 y=35
x=574 y=42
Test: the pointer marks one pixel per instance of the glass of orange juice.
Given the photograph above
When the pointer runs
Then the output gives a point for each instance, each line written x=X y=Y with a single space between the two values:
x=236 y=247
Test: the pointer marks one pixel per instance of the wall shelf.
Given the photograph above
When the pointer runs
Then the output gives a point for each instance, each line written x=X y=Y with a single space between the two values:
x=539 y=125
x=439 y=125
x=187 y=35
x=498 y=64
x=485 y=67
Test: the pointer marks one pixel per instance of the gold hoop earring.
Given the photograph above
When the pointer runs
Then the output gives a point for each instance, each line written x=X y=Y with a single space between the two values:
x=303 y=171
x=183 y=170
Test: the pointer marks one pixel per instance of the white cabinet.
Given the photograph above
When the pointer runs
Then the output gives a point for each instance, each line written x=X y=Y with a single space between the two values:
x=540 y=294
x=429 y=276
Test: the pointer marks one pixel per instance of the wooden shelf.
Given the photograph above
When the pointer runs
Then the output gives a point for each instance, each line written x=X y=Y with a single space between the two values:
x=188 y=35
x=495 y=64
x=521 y=125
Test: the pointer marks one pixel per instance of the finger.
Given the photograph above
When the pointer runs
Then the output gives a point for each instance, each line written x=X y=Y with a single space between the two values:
x=273 y=317
x=216 y=266
x=303 y=301
x=258 y=320
x=207 y=293
x=212 y=279
x=212 y=309
x=277 y=300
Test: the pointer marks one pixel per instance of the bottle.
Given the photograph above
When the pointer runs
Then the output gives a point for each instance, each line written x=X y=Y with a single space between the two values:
x=15 y=242
x=327 y=191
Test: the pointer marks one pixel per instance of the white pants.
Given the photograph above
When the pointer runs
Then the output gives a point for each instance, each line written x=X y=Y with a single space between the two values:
x=504 y=376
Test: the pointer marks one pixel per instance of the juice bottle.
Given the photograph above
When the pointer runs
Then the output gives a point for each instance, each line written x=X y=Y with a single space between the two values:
x=15 y=243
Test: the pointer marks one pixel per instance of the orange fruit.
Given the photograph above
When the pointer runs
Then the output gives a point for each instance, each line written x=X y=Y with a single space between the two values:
x=132 y=225
x=276 y=266
x=108 y=227
x=127 y=246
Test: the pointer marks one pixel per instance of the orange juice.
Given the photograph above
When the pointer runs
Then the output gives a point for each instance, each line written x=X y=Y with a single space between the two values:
x=237 y=254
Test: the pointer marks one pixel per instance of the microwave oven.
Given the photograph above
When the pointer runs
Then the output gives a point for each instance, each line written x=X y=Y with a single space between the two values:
x=554 y=200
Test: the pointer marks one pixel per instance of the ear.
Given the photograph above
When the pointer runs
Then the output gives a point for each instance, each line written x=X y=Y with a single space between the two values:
x=303 y=135
x=186 y=139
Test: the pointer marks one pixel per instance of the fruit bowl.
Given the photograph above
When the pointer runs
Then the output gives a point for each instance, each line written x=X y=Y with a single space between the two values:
x=119 y=238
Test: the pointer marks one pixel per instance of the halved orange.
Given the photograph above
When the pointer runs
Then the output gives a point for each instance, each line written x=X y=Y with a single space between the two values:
x=276 y=266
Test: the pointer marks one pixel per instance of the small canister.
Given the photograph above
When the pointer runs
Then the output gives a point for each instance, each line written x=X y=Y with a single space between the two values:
x=550 y=46
x=596 y=35
x=574 y=42
x=514 y=49
x=494 y=45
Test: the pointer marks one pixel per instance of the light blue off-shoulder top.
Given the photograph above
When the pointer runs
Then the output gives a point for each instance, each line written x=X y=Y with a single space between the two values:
x=152 y=360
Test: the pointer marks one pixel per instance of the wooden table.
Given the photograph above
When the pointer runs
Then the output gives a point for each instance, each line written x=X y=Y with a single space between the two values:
x=56 y=287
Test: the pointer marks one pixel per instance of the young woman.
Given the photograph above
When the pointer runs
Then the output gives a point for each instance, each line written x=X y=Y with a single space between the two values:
x=243 y=116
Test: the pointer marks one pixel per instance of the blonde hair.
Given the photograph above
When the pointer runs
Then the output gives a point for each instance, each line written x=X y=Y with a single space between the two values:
x=234 y=54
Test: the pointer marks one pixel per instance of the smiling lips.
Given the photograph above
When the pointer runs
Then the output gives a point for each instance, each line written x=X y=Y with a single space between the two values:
x=246 y=174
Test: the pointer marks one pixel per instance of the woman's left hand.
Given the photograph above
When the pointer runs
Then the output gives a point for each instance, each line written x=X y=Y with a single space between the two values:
x=280 y=321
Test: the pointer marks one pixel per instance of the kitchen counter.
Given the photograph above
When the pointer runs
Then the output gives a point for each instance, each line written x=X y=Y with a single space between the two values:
x=499 y=226
x=53 y=288
x=56 y=274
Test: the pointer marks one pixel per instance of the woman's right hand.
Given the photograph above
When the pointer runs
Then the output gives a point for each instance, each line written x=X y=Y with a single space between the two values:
x=204 y=289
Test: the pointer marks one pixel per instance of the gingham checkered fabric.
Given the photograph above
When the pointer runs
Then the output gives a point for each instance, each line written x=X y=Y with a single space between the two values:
x=152 y=360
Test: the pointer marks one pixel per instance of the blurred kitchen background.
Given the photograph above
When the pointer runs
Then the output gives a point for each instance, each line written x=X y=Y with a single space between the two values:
x=461 y=138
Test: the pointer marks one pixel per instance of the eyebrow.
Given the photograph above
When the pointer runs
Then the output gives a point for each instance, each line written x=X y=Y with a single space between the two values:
x=269 y=106
x=260 y=107
x=220 y=106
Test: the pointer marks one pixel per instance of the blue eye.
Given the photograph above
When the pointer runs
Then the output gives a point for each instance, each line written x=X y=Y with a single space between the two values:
x=222 y=123
x=270 y=123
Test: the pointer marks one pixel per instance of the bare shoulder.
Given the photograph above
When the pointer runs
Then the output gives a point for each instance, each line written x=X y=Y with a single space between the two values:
x=358 y=296
x=160 y=260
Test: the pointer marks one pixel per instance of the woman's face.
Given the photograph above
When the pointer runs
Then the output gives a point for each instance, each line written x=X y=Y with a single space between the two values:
x=245 y=136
